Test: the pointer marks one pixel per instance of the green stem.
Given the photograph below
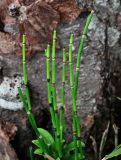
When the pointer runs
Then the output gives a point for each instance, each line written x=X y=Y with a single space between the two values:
x=62 y=97
x=49 y=87
x=54 y=94
x=24 y=59
x=73 y=98
x=80 y=51
x=26 y=98
x=79 y=54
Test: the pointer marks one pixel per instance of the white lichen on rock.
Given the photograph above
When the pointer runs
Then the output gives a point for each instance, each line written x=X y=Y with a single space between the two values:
x=10 y=105
x=9 y=93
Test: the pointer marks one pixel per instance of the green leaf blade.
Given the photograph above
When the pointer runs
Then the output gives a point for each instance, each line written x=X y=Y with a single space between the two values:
x=116 y=152
x=46 y=136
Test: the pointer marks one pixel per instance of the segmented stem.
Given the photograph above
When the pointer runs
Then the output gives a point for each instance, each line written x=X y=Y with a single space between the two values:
x=26 y=98
x=54 y=94
x=73 y=98
x=57 y=117
x=80 y=51
x=62 y=97
x=24 y=58
x=79 y=54
x=49 y=87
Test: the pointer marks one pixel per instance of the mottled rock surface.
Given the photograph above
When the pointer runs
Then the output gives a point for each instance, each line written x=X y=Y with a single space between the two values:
x=39 y=18
x=7 y=132
x=99 y=80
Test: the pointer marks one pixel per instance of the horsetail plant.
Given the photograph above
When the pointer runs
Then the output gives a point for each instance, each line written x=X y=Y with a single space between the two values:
x=62 y=98
x=52 y=93
x=50 y=87
x=80 y=51
x=74 y=111
x=25 y=98
x=55 y=147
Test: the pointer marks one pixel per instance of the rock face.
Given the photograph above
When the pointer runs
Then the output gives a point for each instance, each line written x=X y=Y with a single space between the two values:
x=39 y=18
x=7 y=132
x=99 y=80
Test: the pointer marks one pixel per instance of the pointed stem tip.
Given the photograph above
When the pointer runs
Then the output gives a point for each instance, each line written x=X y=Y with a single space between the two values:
x=92 y=12
x=24 y=38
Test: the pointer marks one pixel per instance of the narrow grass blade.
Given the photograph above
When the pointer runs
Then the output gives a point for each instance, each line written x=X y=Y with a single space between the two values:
x=115 y=128
x=94 y=145
x=103 y=140
x=116 y=152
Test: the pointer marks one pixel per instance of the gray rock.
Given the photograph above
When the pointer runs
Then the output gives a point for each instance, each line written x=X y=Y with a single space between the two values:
x=115 y=4
x=7 y=133
x=103 y=10
x=97 y=32
x=85 y=3
x=113 y=36
x=106 y=9
x=103 y=3
x=99 y=73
